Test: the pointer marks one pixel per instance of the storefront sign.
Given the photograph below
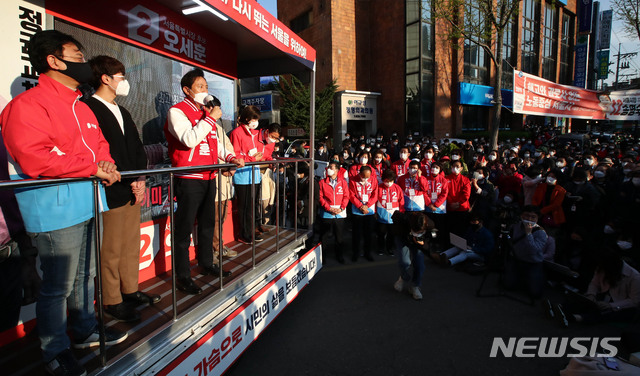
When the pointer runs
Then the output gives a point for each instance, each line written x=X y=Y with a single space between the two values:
x=536 y=96
x=358 y=107
x=152 y=26
x=584 y=15
x=480 y=95
x=605 y=29
x=220 y=347
x=603 y=64
x=582 y=57
x=254 y=17
x=263 y=102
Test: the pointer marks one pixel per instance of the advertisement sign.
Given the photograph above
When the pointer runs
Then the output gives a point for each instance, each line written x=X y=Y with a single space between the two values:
x=621 y=105
x=254 y=17
x=584 y=15
x=152 y=26
x=606 y=18
x=582 y=58
x=603 y=64
x=358 y=107
x=220 y=347
x=480 y=95
x=536 y=96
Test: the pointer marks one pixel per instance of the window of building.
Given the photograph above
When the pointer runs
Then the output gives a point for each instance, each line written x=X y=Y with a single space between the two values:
x=530 y=31
x=476 y=60
x=566 y=58
x=508 y=54
x=301 y=22
x=550 y=42
x=475 y=118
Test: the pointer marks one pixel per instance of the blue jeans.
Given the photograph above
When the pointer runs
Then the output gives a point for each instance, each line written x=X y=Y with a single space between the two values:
x=408 y=256
x=457 y=255
x=68 y=269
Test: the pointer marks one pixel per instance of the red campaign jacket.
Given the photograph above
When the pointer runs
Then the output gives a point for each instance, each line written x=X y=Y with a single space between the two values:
x=355 y=170
x=459 y=191
x=357 y=190
x=266 y=148
x=378 y=169
x=425 y=166
x=329 y=196
x=393 y=195
x=419 y=184
x=439 y=185
x=205 y=153
x=400 y=167
x=245 y=139
x=71 y=144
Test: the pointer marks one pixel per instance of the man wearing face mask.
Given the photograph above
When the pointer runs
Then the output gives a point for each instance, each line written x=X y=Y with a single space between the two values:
x=363 y=194
x=482 y=199
x=414 y=186
x=401 y=166
x=458 y=199
x=193 y=141
x=121 y=224
x=49 y=133
x=425 y=163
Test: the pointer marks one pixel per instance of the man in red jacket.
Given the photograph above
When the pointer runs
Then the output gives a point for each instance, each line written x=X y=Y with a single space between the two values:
x=333 y=199
x=363 y=194
x=193 y=141
x=458 y=199
x=401 y=166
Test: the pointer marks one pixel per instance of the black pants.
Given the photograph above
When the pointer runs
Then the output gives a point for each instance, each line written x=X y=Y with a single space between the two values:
x=362 y=230
x=385 y=237
x=335 y=227
x=243 y=197
x=196 y=200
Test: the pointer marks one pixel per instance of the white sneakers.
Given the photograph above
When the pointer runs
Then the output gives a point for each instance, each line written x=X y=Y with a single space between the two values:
x=413 y=290
x=399 y=285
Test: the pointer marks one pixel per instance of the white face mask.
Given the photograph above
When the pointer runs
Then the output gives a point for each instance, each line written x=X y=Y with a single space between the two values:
x=508 y=199
x=428 y=155
x=435 y=172
x=272 y=141
x=330 y=172
x=624 y=244
x=200 y=97
x=588 y=161
x=388 y=183
x=345 y=155
x=378 y=160
x=122 y=88
x=457 y=170
x=636 y=182
x=455 y=157
x=253 y=124
x=609 y=230
x=530 y=223
x=413 y=171
x=404 y=156
x=492 y=157
x=478 y=176
x=559 y=164
x=364 y=160
x=551 y=180
x=417 y=234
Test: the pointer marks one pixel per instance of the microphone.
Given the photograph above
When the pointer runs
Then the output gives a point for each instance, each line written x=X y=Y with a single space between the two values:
x=211 y=101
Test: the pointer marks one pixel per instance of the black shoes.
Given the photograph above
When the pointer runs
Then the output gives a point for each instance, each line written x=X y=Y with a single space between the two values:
x=65 y=364
x=123 y=312
x=257 y=237
x=111 y=337
x=187 y=285
x=140 y=298
x=214 y=271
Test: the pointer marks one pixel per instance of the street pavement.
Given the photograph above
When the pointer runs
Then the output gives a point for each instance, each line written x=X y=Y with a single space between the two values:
x=350 y=321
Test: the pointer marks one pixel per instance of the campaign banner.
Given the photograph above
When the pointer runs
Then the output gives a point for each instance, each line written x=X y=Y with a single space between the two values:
x=536 y=96
x=150 y=25
x=621 y=105
x=219 y=348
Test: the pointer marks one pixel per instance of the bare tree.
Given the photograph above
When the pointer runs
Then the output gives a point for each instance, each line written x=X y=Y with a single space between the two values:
x=481 y=23
x=628 y=11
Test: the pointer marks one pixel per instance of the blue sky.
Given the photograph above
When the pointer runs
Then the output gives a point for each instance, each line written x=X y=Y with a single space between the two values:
x=270 y=5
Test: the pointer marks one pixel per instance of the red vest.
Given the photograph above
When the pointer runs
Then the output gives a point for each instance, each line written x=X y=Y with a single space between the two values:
x=205 y=153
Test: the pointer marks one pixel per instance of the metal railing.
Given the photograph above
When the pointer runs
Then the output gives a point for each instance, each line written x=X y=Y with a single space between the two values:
x=34 y=183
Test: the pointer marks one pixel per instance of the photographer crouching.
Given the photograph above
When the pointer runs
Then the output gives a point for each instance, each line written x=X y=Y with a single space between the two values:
x=413 y=231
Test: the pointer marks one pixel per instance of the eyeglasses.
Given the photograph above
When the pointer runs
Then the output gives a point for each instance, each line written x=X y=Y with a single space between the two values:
x=82 y=59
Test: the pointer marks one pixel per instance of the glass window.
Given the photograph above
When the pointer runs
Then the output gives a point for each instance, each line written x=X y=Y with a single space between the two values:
x=476 y=59
x=508 y=54
x=566 y=58
x=475 y=118
x=413 y=11
x=530 y=31
x=413 y=38
x=550 y=44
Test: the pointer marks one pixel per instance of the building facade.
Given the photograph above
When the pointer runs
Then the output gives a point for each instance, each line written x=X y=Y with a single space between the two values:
x=427 y=82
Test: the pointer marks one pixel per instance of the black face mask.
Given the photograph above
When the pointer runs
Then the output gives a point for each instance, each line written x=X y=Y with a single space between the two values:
x=80 y=72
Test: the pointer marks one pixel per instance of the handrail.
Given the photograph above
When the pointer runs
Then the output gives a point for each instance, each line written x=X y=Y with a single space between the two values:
x=41 y=182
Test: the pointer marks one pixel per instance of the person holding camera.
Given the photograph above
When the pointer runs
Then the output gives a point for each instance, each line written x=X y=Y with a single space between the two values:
x=412 y=231
x=193 y=141
x=528 y=242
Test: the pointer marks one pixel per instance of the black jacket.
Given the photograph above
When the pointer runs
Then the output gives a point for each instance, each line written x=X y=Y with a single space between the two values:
x=126 y=150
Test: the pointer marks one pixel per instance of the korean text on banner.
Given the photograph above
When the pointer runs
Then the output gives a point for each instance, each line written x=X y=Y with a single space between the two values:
x=536 y=96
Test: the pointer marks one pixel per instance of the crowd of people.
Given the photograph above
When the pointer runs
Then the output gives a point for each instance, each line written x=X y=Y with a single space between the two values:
x=567 y=203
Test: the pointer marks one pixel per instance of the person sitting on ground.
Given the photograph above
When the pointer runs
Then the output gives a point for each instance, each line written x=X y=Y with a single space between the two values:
x=411 y=230
x=480 y=244
x=529 y=242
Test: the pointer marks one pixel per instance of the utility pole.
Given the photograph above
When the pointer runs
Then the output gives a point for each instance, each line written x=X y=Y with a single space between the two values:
x=620 y=57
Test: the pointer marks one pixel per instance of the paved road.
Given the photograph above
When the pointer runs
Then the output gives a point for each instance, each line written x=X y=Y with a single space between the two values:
x=350 y=321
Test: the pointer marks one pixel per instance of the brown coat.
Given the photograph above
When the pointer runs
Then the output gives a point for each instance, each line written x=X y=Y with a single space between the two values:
x=554 y=207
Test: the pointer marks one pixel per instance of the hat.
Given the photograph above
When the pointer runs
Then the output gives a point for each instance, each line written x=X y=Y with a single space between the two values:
x=445 y=158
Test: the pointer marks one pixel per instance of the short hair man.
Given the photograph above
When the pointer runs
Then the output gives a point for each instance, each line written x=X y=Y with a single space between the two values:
x=49 y=133
x=193 y=141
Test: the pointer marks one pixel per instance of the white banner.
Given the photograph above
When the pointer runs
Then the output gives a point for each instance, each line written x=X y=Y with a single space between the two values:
x=220 y=347
x=621 y=105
